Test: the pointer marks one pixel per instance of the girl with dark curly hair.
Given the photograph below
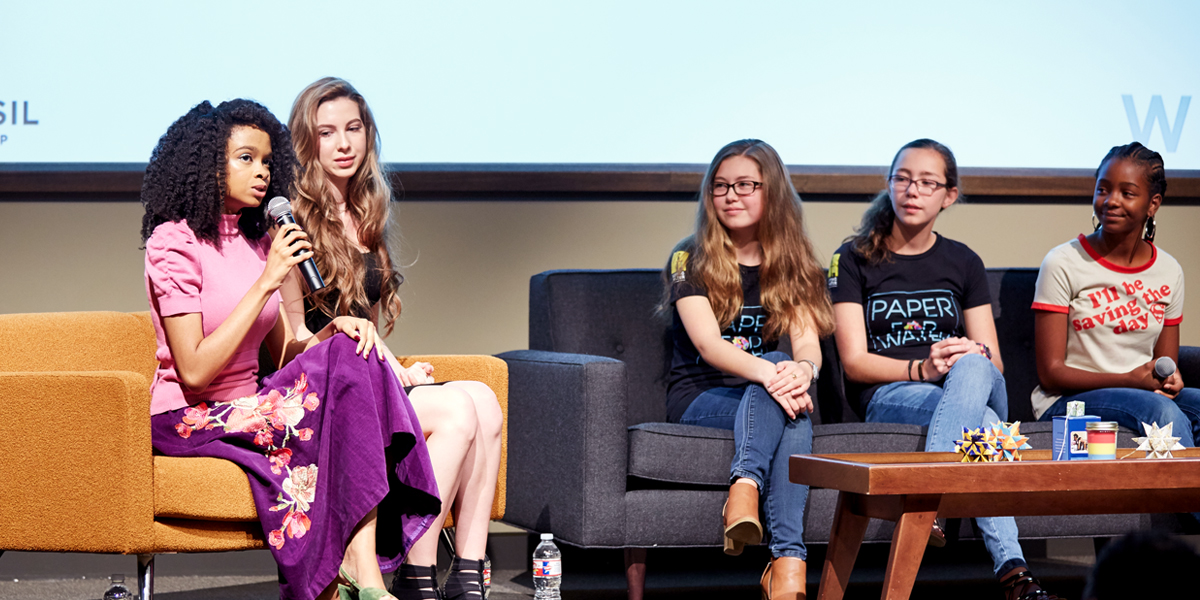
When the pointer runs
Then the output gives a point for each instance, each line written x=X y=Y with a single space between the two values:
x=212 y=277
x=343 y=201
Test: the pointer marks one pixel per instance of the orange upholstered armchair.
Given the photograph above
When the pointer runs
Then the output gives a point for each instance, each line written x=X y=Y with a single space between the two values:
x=77 y=473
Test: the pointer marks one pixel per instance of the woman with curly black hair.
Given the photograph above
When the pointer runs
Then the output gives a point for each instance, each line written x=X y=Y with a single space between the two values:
x=212 y=277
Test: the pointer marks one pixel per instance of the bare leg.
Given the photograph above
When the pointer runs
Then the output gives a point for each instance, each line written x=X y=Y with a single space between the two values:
x=360 y=561
x=475 y=496
x=447 y=417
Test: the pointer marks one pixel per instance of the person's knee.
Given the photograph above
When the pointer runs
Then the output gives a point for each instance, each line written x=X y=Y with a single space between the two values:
x=776 y=357
x=452 y=412
x=487 y=408
x=974 y=363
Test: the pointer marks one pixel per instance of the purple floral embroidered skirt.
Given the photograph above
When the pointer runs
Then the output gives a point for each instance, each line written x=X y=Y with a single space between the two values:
x=327 y=438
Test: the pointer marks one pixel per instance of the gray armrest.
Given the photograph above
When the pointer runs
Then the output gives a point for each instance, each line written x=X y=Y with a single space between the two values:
x=567 y=445
x=1189 y=365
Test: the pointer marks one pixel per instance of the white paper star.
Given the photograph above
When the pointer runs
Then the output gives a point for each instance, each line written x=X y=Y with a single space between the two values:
x=1158 y=442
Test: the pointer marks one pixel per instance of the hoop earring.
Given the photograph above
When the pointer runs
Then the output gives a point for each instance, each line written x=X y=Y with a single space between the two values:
x=1095 y=222
x=1150 y=230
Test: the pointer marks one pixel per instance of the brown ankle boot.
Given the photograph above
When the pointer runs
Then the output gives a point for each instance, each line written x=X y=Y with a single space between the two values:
x=741 y=518
x=786 y=578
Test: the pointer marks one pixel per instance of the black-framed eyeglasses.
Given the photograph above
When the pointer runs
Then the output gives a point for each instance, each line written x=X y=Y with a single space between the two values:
x=925 y=187
x=741 y=188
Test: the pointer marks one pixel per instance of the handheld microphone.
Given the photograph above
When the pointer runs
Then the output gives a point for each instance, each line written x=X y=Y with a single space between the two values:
x=1164 y=367
x=280 y=211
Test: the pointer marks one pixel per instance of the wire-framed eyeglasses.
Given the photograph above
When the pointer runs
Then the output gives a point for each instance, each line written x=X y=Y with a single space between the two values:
x=925 y=187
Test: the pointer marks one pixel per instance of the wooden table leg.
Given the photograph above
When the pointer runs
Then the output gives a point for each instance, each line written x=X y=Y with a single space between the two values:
x=844 y=541
x=908 y=545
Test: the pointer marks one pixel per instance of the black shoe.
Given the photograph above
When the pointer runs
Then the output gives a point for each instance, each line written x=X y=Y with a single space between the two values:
x=465 y=581
x=412 y=582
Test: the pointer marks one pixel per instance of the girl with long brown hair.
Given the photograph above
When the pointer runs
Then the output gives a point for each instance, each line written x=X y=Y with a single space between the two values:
x=915 y=331
x=343 y=202
x=743 y=280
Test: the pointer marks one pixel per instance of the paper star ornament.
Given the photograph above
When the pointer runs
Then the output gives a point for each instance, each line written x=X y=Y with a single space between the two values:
x=975 y=446
x=1158 y=442
x=1008 y=441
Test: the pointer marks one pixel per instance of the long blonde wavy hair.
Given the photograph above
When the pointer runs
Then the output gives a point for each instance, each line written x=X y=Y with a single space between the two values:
x=368 y=198
x=791 y=280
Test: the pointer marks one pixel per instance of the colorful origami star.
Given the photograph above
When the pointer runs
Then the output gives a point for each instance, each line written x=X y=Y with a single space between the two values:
x=1008 y=441
x=1158 y=442
x=975 y=446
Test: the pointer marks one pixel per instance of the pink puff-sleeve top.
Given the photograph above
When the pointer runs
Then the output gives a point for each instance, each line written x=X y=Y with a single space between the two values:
x=188 y=275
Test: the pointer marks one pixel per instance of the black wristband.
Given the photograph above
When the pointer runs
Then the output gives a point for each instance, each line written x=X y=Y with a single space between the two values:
x=910 y=364
x=921 y=370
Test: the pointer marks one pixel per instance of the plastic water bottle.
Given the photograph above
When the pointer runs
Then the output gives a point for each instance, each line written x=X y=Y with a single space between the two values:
x=547 y=569
x=117 y=591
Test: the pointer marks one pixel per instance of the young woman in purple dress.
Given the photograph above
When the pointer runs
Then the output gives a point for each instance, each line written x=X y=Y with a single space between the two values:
x=337 y=464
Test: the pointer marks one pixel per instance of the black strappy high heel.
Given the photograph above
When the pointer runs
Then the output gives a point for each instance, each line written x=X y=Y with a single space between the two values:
x=465 y=581
x=1024 y=578
x=412 y=582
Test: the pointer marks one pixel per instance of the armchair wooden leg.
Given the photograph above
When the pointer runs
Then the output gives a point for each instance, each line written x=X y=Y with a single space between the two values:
x=635 y=572
x=145 y=577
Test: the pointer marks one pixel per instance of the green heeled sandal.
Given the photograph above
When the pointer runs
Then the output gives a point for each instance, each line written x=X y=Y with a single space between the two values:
x=357 y=592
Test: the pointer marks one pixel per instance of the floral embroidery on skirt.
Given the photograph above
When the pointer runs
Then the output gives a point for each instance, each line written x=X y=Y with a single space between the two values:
x=328 y=412
x=260 y=415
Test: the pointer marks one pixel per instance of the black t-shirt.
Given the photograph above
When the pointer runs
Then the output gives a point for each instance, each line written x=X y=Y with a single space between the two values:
x=910 y=302
x=315 y=319
x=690 y=375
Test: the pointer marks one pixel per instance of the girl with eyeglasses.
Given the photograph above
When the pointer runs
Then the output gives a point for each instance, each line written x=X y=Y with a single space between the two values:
x=1109 y=304
x=915 y=331
x=745 y=278
x=343 y=203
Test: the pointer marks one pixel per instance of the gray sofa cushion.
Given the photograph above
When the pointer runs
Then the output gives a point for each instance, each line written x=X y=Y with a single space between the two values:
x=694 y=455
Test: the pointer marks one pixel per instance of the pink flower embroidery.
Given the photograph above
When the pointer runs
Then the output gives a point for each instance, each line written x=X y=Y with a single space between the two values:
x=263 y=438
x=246 y=420
x=279 y=459
x=275 y=538
x=196 y=416
x=184 y=431
x=301 y=485
x=311 y=402
x=296 y=524
x=305 y=434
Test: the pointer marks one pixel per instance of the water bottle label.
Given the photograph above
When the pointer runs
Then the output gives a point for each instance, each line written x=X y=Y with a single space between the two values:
x=547 y=567
x=487 y=576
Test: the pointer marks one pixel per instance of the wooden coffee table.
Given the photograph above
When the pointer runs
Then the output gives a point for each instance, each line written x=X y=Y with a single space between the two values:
x=912 y=488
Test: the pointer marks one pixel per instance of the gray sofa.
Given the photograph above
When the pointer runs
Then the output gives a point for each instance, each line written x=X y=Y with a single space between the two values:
x=592 y=459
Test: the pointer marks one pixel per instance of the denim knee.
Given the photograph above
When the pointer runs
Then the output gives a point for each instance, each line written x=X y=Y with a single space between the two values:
x=974 y=364
x=776 y=357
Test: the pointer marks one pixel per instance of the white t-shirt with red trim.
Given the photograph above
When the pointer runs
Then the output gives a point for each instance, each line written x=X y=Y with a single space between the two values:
x=1114 y=314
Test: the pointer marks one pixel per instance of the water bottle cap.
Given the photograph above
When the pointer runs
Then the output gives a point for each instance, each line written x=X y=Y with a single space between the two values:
x=548 y=536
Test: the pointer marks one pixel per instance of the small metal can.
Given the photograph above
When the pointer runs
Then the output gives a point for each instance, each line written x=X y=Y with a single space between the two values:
x=1102 y=440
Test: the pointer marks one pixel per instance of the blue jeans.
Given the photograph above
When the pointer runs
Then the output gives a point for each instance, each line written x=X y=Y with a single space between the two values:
x=763 y=439
x=1131 y=407
x=972 y=395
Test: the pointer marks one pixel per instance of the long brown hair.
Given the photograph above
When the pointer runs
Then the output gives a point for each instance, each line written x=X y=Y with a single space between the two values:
x=792 y=281
x=368 y=198
x=871 y=235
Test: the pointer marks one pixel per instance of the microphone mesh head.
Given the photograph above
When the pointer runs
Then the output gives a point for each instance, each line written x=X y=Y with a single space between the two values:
x=1164 y=367
x=277 y=207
